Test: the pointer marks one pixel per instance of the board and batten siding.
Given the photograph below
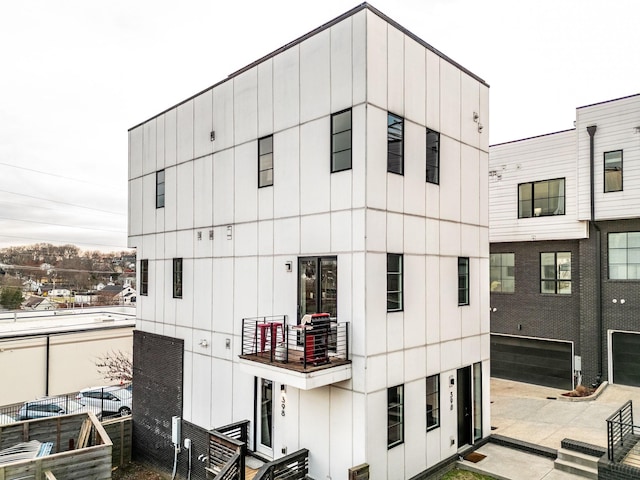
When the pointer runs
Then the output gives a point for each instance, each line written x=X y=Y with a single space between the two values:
x=617 y=121
x=533 y=159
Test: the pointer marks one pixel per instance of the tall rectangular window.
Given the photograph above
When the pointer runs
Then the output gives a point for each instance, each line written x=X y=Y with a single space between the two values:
x=555 y=273
x=394 y=282
x=463 y=281
x=433 y=156
x=624 y=256
x=160 y=189
x=265 y=161
x=541 y=199
x=433 y=402
x=395 y=416
x=613 y=171
x=395 y=144
x=177 y=278
x=341 y=141
x=502 y=272
x=144 y=277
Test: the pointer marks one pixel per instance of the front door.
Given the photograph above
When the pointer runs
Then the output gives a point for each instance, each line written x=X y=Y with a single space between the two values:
x=317 y=286
x=464 y=407
x=264 y=413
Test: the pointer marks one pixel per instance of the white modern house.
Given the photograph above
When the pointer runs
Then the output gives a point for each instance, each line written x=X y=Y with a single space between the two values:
x=343 y=174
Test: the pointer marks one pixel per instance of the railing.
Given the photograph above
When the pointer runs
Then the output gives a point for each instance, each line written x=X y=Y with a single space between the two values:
x=292 y=467
x=620 y=432
x=227 y=450
x=272 y=340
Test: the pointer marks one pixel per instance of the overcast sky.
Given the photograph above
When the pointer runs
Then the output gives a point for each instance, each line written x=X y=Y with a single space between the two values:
x=75 y=75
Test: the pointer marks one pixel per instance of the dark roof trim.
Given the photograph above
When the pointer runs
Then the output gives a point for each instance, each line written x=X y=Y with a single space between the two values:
x=608 y=101
x=531 y=138
x=313 y=32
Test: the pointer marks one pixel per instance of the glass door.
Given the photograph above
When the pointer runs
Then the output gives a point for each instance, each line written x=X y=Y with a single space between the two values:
x=264 y=407
x=317 y=286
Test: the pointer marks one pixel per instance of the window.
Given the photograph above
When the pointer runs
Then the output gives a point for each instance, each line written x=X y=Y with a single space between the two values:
x=463 y=281
x=177 y=278
x=555 y=273
x=540 y=199
x=433 y=156
x=265 y=161
x=613 y=171
x=394 y=282
x=433 y=402
x=341 y=141
x=395 y=144
x=317 y=285
x=502 y=272
x=395 y=416
x=160 y=189
x=624 y=256
x=144 y=277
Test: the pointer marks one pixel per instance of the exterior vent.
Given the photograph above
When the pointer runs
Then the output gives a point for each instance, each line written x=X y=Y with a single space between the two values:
x=361 y=472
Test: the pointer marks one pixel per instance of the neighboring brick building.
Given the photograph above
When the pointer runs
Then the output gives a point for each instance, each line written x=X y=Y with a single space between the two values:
x=565 y=251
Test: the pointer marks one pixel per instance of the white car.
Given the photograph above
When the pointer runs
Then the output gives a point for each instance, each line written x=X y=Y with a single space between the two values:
x=110 y=400
x=54 y=406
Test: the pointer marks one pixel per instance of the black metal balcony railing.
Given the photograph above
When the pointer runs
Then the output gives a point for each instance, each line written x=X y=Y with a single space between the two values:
x=621 y=433
x=301 y=348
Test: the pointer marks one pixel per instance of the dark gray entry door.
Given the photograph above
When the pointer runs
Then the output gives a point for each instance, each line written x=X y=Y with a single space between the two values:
x=626 y=358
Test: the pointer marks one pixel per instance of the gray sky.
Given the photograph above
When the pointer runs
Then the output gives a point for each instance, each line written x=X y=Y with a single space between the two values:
x=76 y=74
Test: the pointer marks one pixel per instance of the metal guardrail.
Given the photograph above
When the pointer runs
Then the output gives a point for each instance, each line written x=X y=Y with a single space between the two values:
x=620 y=430
x=292 y=467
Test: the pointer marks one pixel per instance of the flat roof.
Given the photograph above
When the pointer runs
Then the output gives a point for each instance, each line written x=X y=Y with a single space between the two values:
x=313 y=32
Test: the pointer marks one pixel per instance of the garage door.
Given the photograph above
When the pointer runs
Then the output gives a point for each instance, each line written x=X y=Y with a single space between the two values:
x=626 y=358
x=531 y=360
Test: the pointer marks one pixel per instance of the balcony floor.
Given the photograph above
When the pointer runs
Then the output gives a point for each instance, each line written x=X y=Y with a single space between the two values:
x=295 y=361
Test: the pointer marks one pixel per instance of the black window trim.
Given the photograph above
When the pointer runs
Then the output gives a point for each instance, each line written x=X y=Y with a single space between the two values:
x=260 y=154
x=437 y=165
x=467 y=287
x=401 y=172
x=556 y=280
x=604 y=170
x=144 y=276
x=178 y=276
x=437 y=393
x=400 y=275
x=533 y=197
x=400 y=422
x=333 y=115
x=160 y=197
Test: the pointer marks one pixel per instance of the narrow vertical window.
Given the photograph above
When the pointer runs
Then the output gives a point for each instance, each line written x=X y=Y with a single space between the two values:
x=394 y=282
x=177 y=278
x=144 y=277
x=463 y=281
x=433 y=156
x=160 y=189
x=341 y=141
x=433 y=402
x=265 y=161
x=395 y=416
x=613 y=171
x=395 y=144
x=477 y=401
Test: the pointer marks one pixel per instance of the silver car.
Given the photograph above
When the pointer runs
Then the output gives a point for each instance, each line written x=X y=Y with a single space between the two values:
x=52 y=407
x=111 y=400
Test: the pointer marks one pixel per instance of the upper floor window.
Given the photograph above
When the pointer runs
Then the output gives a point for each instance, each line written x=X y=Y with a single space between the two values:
x=341 y=141
x=613 y=171
x=160 y=189
x=539 y=199
x=394 y=282
x=265 y=161
x=502 y=272
x=433 y=402
x=555 y=273
x=395 y=416
x=177 y=278
x=433 y=156
x=144 y=277
x=395 y=144
x=624 y=256
x=463 y=281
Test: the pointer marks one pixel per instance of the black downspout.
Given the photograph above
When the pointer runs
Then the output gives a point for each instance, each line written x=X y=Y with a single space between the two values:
x=591 y=129
x=46 y=383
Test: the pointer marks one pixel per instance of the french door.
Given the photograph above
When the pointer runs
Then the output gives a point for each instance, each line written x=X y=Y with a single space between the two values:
x=317 y=286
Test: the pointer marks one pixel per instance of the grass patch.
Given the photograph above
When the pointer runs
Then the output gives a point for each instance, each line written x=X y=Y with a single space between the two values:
x=457 y=474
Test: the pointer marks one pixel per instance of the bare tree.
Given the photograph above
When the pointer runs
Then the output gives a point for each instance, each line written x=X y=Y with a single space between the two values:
x=115 y=366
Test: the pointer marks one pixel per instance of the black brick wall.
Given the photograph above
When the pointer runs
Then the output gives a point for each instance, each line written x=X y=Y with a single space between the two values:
x=616 y=471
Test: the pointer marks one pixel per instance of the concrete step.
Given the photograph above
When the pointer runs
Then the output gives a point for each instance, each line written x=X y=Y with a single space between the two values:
x=575 y=469
x=571 y=456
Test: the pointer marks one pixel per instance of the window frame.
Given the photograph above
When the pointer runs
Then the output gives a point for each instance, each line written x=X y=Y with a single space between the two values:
x=177 y=277
x=557 y=276
x=399 y=273
x=160 y=185
x=533 y=198
x=261 y=157
x=392 y=133
x=435 y=165
x=144 y=277
x=501 y=278
x=463 y=282
x=604 y=166
x=436 y=395
x=626 y=263
x=395 y=409
x=334 y=136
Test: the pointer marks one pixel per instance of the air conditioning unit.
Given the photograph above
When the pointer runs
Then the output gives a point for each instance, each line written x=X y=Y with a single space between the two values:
x=360 y=472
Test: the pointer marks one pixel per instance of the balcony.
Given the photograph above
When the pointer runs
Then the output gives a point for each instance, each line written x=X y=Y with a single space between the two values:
x=306 y=356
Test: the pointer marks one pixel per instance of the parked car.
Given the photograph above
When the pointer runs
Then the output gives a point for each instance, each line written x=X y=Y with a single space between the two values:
x=6 y=419
x=54 y=406
x=111 y=400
